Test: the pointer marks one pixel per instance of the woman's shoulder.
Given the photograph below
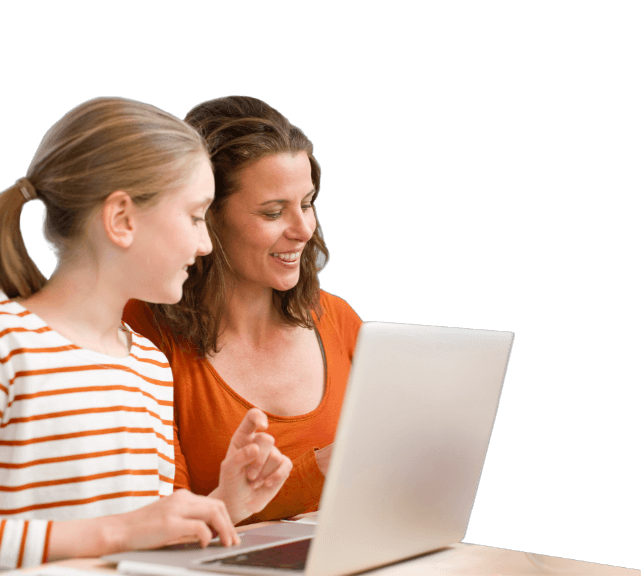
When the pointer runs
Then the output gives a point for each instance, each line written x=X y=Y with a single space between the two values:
x=145 y=322
x=139 y=317
x=339 y=313
x=335 y=305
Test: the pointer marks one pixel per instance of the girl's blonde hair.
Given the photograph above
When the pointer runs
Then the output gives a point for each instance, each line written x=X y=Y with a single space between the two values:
x=101 y=146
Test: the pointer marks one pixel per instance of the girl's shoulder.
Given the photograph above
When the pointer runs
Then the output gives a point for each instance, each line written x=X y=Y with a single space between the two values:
x=17 y=324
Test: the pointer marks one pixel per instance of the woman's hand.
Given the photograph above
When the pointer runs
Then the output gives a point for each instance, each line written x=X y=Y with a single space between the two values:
x=323 y=457
x=180 y=517
x=253 y=470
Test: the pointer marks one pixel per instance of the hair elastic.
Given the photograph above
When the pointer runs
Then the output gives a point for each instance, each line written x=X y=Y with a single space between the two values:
x=27 y=189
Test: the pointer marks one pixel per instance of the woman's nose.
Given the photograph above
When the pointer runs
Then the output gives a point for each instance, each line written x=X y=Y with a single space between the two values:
x=303 y=225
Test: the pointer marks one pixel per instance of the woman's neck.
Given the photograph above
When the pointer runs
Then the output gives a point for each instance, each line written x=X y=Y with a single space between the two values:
x=250 y=315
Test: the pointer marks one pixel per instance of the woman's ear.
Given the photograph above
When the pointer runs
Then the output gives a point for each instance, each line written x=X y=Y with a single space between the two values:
x=118 y=218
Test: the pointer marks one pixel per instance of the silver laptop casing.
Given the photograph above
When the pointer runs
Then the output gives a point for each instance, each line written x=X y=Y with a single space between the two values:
x=407 y=458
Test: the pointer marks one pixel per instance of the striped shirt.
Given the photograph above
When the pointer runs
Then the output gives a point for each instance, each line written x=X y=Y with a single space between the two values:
x=82 y=434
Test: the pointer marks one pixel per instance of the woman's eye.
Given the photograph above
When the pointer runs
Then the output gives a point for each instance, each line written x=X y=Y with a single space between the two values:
x=272 y=215
x=306 y=206
x=196 y=219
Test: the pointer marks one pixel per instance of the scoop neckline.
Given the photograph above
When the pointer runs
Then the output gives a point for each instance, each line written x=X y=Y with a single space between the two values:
x=270 y=415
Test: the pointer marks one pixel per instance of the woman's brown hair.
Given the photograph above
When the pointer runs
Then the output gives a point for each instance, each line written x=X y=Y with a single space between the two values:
x=101 y=146
x=240 y=130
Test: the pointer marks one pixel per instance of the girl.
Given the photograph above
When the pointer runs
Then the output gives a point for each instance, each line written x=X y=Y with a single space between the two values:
x=86 y=404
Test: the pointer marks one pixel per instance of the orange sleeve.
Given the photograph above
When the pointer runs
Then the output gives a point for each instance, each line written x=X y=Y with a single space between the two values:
x=139 y=316
x=346 y=320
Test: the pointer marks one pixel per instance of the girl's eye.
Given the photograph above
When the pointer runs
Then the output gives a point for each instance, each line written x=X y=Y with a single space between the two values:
x=272 y=215
x=306 y=206
x=196 y=219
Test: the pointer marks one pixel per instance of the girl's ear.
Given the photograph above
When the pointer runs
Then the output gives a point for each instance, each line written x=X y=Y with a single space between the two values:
x=118 y=218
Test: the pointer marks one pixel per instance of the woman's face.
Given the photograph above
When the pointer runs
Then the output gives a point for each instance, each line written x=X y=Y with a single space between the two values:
x=268 y=220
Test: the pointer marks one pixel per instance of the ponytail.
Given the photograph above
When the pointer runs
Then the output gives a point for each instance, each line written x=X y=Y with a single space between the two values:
x=19 y=276
x=103 y=145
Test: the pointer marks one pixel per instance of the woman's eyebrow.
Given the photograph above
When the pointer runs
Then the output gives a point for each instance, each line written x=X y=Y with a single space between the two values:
x=283 y=201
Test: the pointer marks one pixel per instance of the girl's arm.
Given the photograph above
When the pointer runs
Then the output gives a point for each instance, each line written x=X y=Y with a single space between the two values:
x=180 y=517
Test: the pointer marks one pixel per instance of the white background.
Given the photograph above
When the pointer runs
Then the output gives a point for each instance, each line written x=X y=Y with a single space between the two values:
x=384 y=254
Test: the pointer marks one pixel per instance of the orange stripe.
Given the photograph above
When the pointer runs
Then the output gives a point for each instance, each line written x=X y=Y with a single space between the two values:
x=77 y=479
x=79 y=502
x=148 y=348
x=86 y=411
x=36 y=350
x=2 y=531
x=85 y=433
x=166 y=459
x=45 y=552
x=20 y=329
x=23 y=543
x=14 y=466
x=5 y=390
x=90 y=389
x=5 y=302
x=65 y=369
x=150 y=361
x=165 y=479
x=19 y=314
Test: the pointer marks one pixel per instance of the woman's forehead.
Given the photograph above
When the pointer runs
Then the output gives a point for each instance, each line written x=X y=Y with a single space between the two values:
x=274 y=175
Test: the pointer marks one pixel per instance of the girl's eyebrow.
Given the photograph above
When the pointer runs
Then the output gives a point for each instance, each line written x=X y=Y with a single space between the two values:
x=283 y=201
x=204 y=202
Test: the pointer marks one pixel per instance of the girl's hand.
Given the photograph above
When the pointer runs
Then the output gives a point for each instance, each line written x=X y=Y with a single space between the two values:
x=180 y=517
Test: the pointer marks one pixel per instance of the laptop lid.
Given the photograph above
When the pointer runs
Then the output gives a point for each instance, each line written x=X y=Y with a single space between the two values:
x=411 y=442
x=407 y=457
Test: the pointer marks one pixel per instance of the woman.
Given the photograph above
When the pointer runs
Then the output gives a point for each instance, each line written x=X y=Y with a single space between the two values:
x=254 y=328
x=86 y=405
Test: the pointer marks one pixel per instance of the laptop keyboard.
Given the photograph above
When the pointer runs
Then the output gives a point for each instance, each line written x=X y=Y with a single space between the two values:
x=291 y=556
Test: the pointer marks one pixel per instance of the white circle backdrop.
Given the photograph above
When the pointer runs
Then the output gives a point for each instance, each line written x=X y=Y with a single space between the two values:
x=384 y=253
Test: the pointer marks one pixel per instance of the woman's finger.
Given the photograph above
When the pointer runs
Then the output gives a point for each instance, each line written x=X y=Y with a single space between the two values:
x=254 y=421
x=265 y=443
x=280 y=473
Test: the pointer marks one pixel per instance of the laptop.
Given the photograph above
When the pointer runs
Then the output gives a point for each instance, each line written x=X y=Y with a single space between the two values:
x=410 y=445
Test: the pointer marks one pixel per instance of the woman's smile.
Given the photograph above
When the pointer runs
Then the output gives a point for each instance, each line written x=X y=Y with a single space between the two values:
x=289 y=257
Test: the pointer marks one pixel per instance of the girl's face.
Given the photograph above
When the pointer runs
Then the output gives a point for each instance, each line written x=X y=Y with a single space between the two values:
x=268 y=220
x=170 y=235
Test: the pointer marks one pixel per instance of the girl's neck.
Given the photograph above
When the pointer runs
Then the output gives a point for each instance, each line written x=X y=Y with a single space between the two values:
x=84 y=308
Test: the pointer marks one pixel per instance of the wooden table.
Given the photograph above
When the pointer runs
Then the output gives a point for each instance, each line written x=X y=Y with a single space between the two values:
x=458 y=559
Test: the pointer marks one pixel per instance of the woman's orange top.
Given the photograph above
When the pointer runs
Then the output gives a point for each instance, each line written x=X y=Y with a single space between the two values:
x=208 y=411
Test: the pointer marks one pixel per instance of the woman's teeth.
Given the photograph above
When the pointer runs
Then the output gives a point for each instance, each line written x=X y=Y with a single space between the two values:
x=288 y=256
